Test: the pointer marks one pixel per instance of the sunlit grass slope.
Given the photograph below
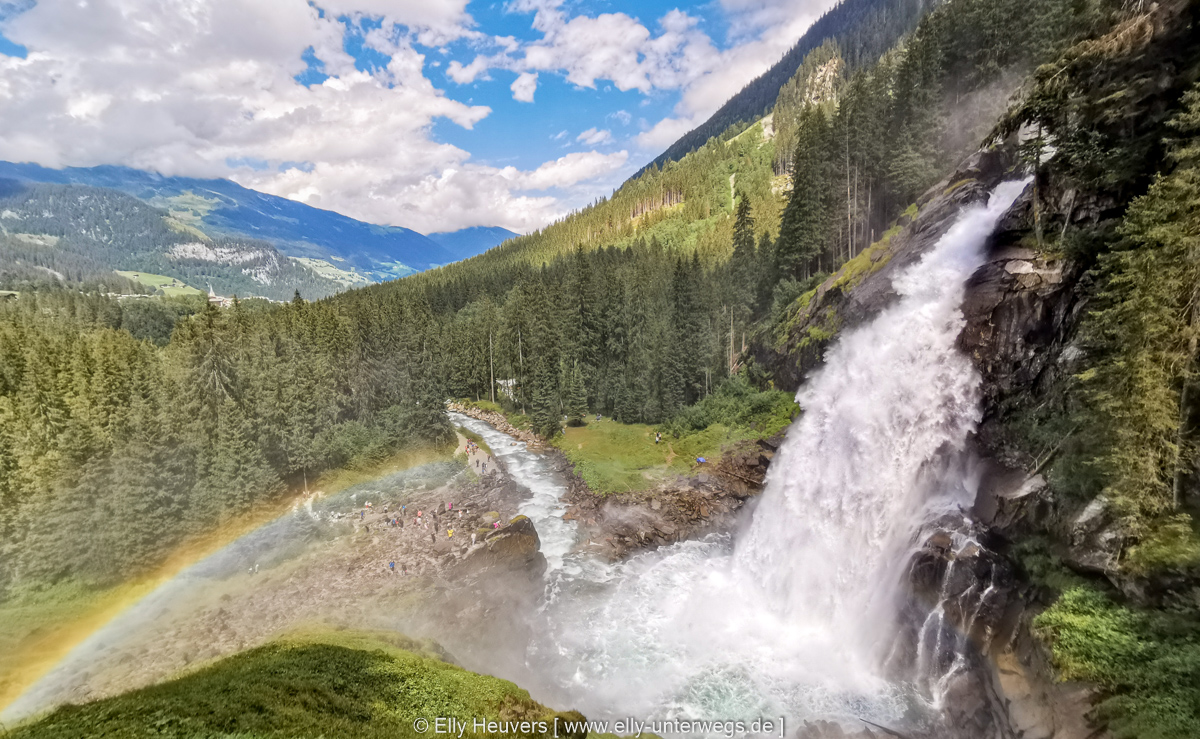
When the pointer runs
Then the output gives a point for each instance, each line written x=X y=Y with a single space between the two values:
x=614 y=457
x=317 y=683
x=170 y=286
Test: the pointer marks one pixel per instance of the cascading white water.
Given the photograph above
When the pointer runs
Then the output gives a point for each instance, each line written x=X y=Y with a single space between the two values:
x=544 y=505
x=797 y=617
x=857 y=478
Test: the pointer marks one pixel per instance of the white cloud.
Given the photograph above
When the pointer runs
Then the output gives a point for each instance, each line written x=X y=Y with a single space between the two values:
x=594 y=137
x=666 y=132
x=456 y=196
x=623 y=116
x=568 y=170
x=191 y=89
x=618 y=48
x=187 y=88
x=465 y=75
x=524 y=86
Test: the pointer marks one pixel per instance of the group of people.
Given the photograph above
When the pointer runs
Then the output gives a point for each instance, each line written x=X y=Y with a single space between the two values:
x=472 y=448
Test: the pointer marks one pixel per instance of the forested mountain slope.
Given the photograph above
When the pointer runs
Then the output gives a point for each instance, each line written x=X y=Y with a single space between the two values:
x=79 y=235
x=225 y=208
x=862 y=29
x=467 y=242
x=664 y=283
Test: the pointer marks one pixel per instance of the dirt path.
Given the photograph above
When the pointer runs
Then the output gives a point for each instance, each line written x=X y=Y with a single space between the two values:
x=476 y=457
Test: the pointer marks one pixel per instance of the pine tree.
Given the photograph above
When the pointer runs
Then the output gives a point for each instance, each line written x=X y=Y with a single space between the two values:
x=545 y=417
x=577 y=398
x=804 y=228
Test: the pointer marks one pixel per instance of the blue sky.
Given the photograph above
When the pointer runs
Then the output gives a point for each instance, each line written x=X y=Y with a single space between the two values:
x=430 y=114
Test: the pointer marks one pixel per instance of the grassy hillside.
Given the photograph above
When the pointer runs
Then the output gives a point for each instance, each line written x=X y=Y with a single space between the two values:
x=170 y=287
x=317 y=683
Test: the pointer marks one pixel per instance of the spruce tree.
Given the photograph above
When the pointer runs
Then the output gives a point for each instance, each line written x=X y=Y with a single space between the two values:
x=577 y=398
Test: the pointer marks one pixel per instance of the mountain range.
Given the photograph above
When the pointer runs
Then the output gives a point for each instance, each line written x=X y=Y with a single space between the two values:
x=336 y=247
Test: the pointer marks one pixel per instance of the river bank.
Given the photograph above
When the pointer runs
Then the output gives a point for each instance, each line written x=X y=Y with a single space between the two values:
x=709 y=499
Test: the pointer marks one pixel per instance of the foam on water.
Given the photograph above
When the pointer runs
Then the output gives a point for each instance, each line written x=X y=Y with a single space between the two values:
x=533 y=471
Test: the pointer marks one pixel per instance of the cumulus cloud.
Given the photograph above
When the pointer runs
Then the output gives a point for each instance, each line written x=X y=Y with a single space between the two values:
x=524 y=86
x=594 y=137
x=195 y=89
x=623 y=116
x=568 y=170
x=677 y=55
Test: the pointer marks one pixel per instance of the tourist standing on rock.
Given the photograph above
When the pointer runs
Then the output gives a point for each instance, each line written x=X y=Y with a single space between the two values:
x=392 y=567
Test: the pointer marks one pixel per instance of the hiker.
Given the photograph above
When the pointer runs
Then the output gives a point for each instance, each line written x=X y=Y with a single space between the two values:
x=657 y=436
x=403 y=568
x=362 y=515
x=449 y=533
x=392 y=567
x=473 y=535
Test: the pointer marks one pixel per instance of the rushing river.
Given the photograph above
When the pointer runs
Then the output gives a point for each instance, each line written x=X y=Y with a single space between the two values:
x=795 y=617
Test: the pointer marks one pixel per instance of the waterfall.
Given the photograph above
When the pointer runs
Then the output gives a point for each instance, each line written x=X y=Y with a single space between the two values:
x=798 y=616
x=866 y=465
